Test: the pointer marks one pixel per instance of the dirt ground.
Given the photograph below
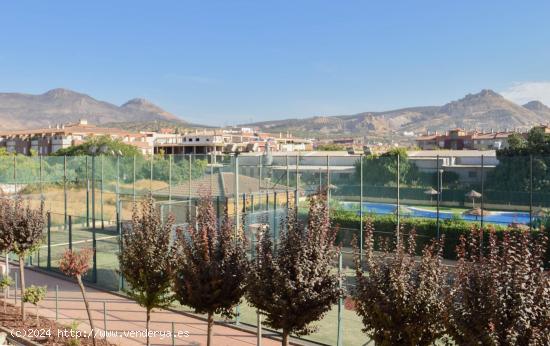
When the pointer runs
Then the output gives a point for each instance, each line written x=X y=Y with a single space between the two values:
x=47 y=333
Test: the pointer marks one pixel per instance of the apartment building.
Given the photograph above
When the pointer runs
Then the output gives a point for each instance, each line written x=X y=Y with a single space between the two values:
x=459 y=139
x=46 y=141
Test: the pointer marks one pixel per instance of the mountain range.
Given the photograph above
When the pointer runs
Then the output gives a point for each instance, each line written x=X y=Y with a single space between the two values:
x=486 y=110
x=19 y=111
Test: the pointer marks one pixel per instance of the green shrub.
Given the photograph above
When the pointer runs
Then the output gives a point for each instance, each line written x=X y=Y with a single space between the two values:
x=426 y=229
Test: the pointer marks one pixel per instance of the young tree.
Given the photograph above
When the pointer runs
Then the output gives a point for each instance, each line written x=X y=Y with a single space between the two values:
x=210 y=265
x=400 y=299
x=34 y=295
x=501 y=295
x=6 y=245
x=146 y=258
x=5 y=283
x=75 y=264
x=27 y=226
x=295 y=284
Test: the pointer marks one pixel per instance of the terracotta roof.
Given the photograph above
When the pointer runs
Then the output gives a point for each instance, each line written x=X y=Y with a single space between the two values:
x=492 y=135
x=427 y=138
x=72 y=129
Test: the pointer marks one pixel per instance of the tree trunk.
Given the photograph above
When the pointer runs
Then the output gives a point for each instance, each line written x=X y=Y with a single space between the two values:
x=83 y=290
x=37 y=318
x=147 y=325
x=285 y=338
x=22 y=283
x=210 y=327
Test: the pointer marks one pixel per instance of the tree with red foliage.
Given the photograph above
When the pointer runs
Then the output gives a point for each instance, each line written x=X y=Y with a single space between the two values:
x=146 y=258
x=400 y=299
x=76 y=264
x=500 y=294
x=6 y=244
x=26 y=224
x=295 y=284
x=210 y=265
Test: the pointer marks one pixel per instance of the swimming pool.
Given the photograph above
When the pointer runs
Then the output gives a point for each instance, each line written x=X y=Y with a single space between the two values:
x=499 y=217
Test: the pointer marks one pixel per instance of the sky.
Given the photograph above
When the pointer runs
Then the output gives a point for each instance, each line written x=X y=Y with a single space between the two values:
x=228 y=62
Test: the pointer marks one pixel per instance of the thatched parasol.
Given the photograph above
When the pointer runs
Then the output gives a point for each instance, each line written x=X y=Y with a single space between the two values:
x=476 y=212
x=473 y=194
x=431 y=192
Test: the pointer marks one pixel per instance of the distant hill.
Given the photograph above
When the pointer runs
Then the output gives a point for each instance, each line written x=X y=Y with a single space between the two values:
x=485 y=110
x=64 y=106
x=154 y=125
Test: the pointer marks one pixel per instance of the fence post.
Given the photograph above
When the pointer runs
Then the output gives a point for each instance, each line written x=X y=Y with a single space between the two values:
x=296 y=196
x=173 y=334
x=328 y=185
x=101 y=194
x=530 y=192
x=275 y=228
x=117 y=201
x=482 y=190
x=87 y=195
x=151 y=174
x=134 y=180
x=260 y=173
x=259 y=328
x=70 y=232
x=56 y=302
x=361 y=240
x=398 y=230
x=121 y=250
x=93 y=191
x=15 y=172
x=236 y=194
x=49 y=261
x=16 y=288
x=439 y=190
x=189 y=194
x=105 y=320
x=170 y=182
x=41 y=179
x=65 y=198
x=287 y=174
x=340 y=302
x=94 y=246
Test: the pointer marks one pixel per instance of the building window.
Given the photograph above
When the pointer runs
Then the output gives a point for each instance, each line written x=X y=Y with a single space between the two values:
x=196 y=139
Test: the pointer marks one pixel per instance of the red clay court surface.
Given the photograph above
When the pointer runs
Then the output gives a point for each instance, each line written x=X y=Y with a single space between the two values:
x=125 y=316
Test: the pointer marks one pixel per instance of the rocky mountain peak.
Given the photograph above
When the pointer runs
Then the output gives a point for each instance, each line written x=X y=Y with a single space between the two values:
x=61 y=93
x=66 y=106
x=137 y=102
x=536 y=106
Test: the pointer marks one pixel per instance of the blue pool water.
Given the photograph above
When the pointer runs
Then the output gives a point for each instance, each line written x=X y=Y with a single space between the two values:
x=500 y=217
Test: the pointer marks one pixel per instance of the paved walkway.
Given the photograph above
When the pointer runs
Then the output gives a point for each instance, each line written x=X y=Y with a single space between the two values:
x=125 y=316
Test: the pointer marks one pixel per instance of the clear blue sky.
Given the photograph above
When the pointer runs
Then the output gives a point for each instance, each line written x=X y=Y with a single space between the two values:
x=223 y=62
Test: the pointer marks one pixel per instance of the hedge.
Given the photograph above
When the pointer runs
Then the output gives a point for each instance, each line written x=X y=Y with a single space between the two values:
x=426 y=230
